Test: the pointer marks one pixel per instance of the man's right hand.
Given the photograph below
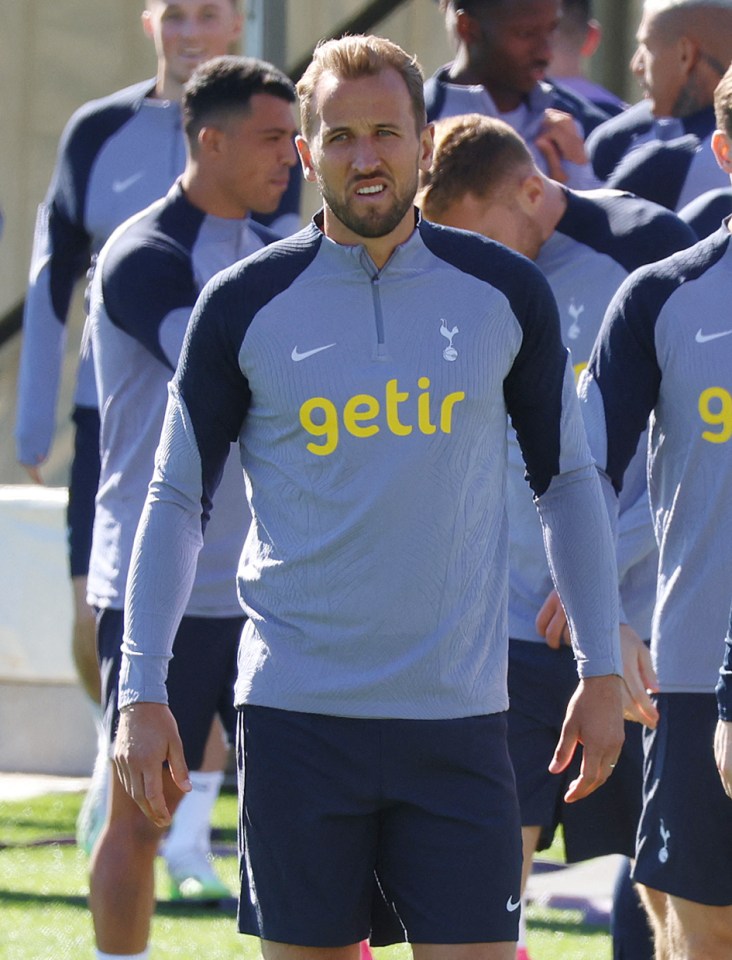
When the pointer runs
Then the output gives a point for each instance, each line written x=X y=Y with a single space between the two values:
x=148 y=736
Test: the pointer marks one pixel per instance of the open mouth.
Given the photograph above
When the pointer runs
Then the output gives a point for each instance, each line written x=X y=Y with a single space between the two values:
x=371 y=191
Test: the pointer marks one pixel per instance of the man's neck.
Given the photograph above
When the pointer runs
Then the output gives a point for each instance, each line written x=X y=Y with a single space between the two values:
x=167 y=89
x=465 y=74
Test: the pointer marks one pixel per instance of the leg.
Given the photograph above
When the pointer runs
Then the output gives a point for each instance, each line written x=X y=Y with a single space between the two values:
x=464 y=951
x=83 y=483
x=187 y=847
x=121 y=885
x=287 y=951
x=655 y=904
x=530 y=841
x=698 y=931
x=629 y=927
x=84 y=642
x=200 y=686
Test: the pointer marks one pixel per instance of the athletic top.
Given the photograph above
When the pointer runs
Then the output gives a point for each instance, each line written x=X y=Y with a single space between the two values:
x=116 y=156
x=444 y=98
x=708 y=210
x=602 y=237
x=604 y=99
x=665 y=348
x=146 y=282
x=370 y=406
x=670 y=162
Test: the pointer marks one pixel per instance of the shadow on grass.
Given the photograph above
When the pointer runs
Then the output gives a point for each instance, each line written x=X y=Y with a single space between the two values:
x=165 y=908
x=554 y=922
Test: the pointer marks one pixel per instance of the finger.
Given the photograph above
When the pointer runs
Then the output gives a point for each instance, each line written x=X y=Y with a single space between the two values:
x=594 y=771
x=637 y=704
x=564 y=752
x=152 y=802
x=544 y=615
x=178 y=767
x=647 y=671
x=555 y=629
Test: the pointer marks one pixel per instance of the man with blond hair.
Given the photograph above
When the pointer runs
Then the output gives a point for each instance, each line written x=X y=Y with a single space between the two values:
x=585 y=242
x=367 y=367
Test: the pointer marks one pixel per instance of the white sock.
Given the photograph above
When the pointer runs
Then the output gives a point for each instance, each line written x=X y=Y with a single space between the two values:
x=123 y=956
x=191 y=827
x=522 y=926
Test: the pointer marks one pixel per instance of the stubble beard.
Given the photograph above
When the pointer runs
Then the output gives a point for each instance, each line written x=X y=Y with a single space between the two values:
x=373 y=223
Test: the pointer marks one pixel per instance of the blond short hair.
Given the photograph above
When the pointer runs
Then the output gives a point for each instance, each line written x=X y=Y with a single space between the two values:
x=473 y=154
x=352 y=57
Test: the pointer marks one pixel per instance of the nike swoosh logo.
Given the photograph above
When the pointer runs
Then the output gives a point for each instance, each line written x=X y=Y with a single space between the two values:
x=119 y=186
x=297 y=356
x=511 y=906
x=706 y=337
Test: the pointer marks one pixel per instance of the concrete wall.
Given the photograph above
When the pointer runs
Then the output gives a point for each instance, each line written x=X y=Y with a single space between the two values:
x=46 y=721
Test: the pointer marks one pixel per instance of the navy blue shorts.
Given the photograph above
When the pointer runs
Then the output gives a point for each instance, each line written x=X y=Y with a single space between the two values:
x=83 y=484
x=200 y=682
x=685 y=833
x=397 y=830
x=541 y=682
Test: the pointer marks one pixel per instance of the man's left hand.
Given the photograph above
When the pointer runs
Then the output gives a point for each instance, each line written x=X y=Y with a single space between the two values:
x=594 y=718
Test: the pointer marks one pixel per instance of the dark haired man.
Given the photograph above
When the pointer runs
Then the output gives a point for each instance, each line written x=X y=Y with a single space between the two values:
x=239 y=125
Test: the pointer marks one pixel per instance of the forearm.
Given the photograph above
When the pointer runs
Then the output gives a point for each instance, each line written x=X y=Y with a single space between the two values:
x=580 y=550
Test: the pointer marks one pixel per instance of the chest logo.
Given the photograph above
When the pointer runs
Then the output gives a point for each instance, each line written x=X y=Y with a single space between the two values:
x=575 y=313
x=119 y=186
x=297 y=356
x=706 y=337
x=449 y=353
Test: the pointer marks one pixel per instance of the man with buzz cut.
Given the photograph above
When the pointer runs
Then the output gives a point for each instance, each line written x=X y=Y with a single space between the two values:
x=483 y=178
x=665 y=351
x=239 y=125
x=660 y=148
x=367 y=367
x=117 y=155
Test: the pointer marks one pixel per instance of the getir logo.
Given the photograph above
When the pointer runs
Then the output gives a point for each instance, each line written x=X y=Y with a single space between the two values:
x=403 y=413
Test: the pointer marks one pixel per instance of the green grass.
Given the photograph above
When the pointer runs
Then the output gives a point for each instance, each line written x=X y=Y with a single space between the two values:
x=44 y=916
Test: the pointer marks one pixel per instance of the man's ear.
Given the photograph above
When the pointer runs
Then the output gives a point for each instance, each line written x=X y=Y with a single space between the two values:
x=467 y=28
x=722 y=149
x=209 y=139
x=306 y=159
x=688 y=53
x=147 y=23
x=531 y=193
x=592 y=39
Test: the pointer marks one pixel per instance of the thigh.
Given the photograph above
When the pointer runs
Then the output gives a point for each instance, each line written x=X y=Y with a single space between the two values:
x=701 y=930
x=201 y=679
x=449 y=857
x=309 y=799
x=541 y=682
x=685 y=832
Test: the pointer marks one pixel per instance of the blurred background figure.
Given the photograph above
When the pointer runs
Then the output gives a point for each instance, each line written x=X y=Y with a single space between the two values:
x=575 y=42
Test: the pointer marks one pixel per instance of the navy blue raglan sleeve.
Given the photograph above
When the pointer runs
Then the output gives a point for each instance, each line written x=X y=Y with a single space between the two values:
x=620 y=385
x=145 y=288
x=62 y=249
